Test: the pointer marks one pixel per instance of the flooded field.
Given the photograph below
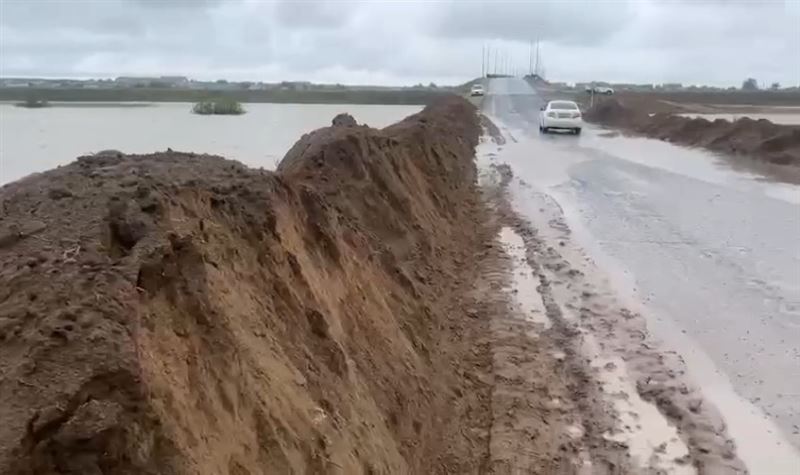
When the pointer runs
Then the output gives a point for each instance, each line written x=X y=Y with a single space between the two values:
x=34 y=140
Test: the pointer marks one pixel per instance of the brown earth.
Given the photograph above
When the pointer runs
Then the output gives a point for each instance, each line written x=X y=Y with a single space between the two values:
x=758 y=139
x=177 y=313
x=698 y=102
x=710 y=101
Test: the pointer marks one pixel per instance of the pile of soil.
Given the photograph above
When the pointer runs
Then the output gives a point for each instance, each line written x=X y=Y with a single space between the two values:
x=611 y=112
x=182 y=313
x=759 y=139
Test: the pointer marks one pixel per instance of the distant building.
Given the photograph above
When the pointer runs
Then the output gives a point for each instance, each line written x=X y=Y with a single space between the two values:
x=15 y=83
x=162 y=81
x=672 y=86
x=295 y=85
x=174 y=81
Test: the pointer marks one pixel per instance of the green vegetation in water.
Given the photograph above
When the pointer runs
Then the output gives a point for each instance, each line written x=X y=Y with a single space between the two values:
x=223 y=106
x=33 y=103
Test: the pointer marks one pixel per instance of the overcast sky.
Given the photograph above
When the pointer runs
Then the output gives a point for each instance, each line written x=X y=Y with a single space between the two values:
x=390 y=42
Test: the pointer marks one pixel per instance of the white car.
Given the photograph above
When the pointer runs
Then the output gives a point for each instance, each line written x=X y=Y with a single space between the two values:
x=477 y=90
x=604 y=90
x=562 y=115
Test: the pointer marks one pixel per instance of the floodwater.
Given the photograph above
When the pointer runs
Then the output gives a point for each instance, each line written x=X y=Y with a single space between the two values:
x=710 y=253
x=35 y=140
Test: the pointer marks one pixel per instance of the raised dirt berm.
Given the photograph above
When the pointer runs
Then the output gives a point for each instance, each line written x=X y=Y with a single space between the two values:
x=177 y=313
x=759 y=139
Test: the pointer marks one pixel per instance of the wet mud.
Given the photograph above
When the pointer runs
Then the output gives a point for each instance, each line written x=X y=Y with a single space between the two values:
x=612 y=400
x=760 y=140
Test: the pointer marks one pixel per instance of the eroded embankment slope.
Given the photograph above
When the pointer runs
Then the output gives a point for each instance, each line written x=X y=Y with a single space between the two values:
x=175 y=313
x=759 y=139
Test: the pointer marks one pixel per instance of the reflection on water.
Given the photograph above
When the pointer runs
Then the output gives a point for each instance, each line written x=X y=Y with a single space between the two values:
x=35 y=140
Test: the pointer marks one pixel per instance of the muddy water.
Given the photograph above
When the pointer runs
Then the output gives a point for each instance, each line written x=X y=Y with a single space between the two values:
x=712 y=256
x=34 y=140
x=523 y=280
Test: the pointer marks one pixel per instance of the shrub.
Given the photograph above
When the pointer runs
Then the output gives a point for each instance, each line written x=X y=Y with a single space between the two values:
x=218 y=107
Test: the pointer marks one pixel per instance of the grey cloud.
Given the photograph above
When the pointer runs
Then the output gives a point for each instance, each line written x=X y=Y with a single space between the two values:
x=574 y=22
x=321 y=14
x=641 y=40
x=177 y=4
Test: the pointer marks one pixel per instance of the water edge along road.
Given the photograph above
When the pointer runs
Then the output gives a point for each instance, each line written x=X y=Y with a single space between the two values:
x=710 y=255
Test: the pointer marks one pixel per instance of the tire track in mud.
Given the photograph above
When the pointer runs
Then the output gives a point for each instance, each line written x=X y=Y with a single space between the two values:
x=535 y=425
x=624 y=406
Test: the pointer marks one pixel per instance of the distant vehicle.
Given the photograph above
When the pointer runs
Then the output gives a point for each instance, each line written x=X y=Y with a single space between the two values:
x=560 y=115
x=477 y=90
x=603 y=90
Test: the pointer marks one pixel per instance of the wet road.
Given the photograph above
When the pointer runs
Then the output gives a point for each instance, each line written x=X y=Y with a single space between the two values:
x=712 y=255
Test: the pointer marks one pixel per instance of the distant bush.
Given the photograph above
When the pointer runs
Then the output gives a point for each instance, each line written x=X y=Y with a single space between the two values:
x=750 y=84
x=33 y=103
x=221 y=106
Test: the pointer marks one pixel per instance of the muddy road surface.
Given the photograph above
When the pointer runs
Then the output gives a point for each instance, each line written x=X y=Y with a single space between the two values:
x=707 y=257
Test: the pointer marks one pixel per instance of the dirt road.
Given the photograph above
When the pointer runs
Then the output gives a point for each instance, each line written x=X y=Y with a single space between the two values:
x=670 y=268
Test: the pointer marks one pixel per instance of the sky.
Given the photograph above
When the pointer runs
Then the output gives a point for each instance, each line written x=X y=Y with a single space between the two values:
x=716 y=42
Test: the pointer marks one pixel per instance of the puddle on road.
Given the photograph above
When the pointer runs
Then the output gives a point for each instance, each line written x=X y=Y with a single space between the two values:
x=523 y=279
x=694 y=163
x=653 y=442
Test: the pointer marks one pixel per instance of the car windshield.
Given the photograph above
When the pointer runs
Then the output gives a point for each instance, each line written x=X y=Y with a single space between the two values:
x=564 y=106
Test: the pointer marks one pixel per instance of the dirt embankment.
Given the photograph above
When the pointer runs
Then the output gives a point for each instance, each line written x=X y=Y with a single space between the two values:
x=759 y=139
x=176 y=313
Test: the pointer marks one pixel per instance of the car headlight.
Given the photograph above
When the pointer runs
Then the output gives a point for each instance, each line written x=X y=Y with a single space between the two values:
x=576 y=115
x=552 y=115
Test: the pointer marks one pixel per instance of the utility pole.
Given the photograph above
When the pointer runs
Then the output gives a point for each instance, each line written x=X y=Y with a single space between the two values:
x=536 y=68
x=496 y=54
x=483 y=60
x=530 y=60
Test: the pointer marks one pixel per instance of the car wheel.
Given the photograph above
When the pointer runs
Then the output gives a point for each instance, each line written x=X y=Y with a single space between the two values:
x=577 y=131
x=545 y=130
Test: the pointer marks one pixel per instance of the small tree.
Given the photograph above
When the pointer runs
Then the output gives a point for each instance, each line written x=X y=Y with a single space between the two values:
x=750 y=84
x=221 y=106
x=775 y=86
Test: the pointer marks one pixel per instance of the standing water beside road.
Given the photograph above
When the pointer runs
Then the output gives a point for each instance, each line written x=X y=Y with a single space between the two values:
x=35 y=140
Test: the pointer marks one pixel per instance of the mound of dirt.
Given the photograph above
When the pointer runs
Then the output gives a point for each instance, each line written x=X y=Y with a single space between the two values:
x=612 y=112
x=182 y=313
x=759 y=139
